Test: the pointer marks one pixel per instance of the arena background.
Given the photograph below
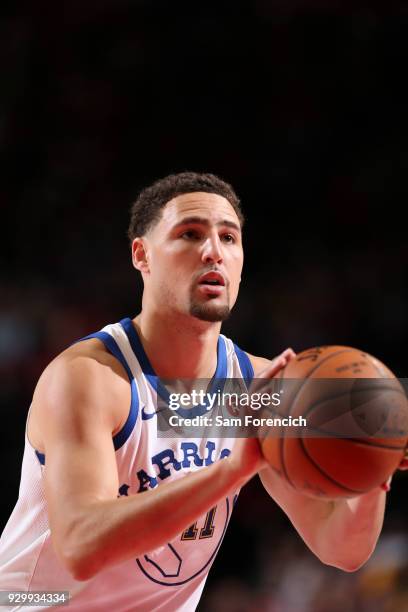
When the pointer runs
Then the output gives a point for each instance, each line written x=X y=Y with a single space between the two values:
x=302 y=106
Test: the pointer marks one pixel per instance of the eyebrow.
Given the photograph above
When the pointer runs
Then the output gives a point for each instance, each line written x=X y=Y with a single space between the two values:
x=204 y=221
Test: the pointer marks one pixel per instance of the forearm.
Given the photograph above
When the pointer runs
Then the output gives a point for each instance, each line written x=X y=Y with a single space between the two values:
x=349 y=535
x=107 y=532
x=342 y=533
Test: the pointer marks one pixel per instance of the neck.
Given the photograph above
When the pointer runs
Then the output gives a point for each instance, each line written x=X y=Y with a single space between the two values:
x=179 y=346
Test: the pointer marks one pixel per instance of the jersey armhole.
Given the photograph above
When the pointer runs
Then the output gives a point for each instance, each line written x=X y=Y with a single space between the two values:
x=123 y=434
x=245 y=365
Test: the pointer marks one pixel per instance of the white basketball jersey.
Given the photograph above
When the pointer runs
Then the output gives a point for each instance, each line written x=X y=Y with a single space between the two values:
x=168 y=579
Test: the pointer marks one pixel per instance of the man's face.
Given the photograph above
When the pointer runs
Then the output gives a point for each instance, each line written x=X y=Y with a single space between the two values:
x=194 y=257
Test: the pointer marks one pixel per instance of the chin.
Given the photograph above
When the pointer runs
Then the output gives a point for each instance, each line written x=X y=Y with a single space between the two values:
x=210 y=312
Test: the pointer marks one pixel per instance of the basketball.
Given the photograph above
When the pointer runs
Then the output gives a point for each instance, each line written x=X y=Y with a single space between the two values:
x=357 y=423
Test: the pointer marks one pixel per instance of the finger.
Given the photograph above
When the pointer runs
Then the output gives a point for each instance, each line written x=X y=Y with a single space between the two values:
x=404 y=461
x=403 y=465
x=289 y=354
x=386 y=486
x=276 y=365
x=281 y=361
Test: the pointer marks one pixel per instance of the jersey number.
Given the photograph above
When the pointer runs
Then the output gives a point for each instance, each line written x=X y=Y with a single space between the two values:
x=205 y=532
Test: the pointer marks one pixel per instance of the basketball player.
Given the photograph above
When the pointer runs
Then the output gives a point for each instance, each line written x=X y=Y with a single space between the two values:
x=120 y=518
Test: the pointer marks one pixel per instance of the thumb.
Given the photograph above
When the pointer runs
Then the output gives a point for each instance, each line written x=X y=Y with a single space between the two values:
x=277 y=364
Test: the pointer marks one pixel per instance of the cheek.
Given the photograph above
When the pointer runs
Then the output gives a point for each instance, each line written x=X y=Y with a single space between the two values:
x=236 y=266
x=171 y=268
x=178 y=253
x=235 y=276
x=163 y=261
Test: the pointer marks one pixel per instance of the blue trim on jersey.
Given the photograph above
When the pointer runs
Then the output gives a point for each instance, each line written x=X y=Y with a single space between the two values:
x=40 y=457
x=111 y=345
x=121 y=436
x=217 y=383
x=245 y=365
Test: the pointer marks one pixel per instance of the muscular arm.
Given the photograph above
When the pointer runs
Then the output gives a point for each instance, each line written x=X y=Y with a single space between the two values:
x=342 y=533
x=91 y=528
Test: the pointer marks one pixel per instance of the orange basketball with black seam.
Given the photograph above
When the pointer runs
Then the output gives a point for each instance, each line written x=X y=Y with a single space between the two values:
x=357 y=423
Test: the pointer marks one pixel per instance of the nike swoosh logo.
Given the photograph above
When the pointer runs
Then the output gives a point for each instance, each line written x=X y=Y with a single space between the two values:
x=147 y=415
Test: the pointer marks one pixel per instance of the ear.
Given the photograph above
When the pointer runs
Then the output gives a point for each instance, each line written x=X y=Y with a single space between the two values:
x=139 y=255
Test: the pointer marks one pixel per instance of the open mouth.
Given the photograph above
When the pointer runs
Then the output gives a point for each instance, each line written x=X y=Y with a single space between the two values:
x=210 y=282
x=212 y=279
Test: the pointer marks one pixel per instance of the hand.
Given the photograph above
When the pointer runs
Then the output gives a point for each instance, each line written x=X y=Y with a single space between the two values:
x=277 y=364
x=246 y=458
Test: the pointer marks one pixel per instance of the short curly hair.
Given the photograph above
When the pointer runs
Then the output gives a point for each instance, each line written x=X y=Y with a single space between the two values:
x=145 y=211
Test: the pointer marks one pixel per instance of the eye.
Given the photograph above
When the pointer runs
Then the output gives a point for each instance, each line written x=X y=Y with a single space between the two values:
x=228 y=238
x=190 y=234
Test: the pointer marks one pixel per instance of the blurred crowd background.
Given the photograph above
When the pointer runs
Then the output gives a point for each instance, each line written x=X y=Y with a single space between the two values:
x=301 y=105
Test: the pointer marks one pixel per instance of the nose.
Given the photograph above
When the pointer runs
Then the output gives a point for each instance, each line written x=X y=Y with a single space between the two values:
x=212 y=250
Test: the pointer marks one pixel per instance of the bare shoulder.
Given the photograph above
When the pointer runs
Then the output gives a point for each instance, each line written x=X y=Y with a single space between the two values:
x=84 y=375
x=259 y=363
